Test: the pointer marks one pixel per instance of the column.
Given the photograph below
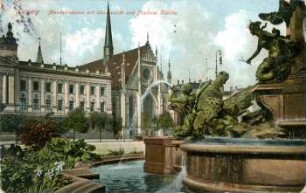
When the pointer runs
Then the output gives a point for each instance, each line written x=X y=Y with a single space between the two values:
x=54 y=98
x=122 y=106
x=11 y=84
x=87 y=105
x=98 y=96
x=139 y=113
x=30 y=94
x=42 y=95
x=108 y=99
x=66 y=102
x=4 y=89
x=77 y=94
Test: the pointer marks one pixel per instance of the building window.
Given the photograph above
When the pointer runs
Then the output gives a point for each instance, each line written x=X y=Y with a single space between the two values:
x=36 y=86
x=59 y=88
x=71 y=89
x=102 y=91
x=23 y=103
x=82 y=89
x=82 y=105
x=92 y=106
x=23 y=85
x=48 y=87
x=102 y=107
x=60 y=105
x=71 y=105
x=92 y=90
x=48 y=104
x=35 y=104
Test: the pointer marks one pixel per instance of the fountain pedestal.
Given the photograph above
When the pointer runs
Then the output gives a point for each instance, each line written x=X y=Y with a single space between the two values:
x=286 y=100
x=163 y=155
x=240 y=165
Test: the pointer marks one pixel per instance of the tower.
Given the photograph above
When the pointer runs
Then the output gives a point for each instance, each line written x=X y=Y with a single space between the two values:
x=8 y=44
x=39 y=58
x=169 y=76
x=108 y=44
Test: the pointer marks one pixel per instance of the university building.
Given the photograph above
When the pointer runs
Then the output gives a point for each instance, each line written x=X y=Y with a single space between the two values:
x=36 y=88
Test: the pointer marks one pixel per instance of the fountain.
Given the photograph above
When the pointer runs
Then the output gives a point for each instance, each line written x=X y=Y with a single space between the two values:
x=230 y=149
x=146 y=93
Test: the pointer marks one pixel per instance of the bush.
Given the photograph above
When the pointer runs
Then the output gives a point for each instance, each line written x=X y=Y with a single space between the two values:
x=37 y=132
x=39 y=170
x=120 y=151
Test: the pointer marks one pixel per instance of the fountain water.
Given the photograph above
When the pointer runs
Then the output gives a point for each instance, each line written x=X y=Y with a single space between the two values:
x=177 y=184
x=129 y=177
x=146 y=93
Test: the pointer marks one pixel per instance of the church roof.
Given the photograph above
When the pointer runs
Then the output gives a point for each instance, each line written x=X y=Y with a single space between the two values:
x=114 y=65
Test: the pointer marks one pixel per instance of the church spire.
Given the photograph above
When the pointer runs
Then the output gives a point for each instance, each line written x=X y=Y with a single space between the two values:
x=39 y=58
x=169 y=76
x=108 y=44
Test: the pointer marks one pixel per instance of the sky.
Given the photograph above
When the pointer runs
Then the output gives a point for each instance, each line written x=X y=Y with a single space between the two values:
x=187 y=32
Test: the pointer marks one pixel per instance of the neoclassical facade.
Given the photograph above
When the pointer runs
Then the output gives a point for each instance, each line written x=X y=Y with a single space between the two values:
x=36 y=88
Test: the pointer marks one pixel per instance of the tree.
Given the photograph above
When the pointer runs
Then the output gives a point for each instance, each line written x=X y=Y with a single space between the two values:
x=146 y=122
x=11 y=123
x=38 y=132
x=155 y=122
x=76 y=121
x=99 y=120
x=165 y=121
x=117 y=126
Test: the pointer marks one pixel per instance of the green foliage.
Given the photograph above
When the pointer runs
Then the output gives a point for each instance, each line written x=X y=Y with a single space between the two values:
x=76 y=121
x=117 y=125
x=146 y=122
x=99 y=120
x=165 y=120
x=136 y=152
x=72 y=151
x=39 y=171
x=120 y=151
x=10 y=122
x=37 y=132
x=35 y=170
x=2 y=107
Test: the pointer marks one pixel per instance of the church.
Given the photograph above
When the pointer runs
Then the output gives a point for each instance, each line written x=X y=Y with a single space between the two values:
x=132 y=74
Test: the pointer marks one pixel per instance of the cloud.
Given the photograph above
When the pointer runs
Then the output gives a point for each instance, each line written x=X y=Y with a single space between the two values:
x=235 y=36
x=184 y=37
x=83 y=42
x=236 y=44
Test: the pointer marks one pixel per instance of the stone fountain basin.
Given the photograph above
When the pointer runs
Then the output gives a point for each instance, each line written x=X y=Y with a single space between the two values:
x=245 y=165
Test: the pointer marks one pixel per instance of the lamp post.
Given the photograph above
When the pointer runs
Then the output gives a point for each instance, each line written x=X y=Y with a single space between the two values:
x=218 y=53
